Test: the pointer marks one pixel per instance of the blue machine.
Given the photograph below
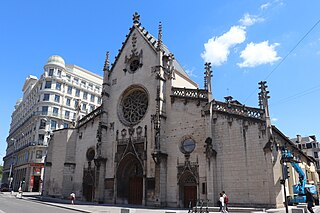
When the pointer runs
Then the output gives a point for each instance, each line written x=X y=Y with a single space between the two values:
x=299 y=190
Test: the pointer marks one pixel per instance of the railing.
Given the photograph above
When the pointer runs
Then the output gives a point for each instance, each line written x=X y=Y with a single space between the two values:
x=238 y=109
x=33 y=143
x=189 y=93
x=91 y=115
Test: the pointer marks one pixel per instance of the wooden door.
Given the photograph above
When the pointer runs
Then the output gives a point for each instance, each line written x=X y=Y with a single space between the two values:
x=190 y=194
x=135 y=190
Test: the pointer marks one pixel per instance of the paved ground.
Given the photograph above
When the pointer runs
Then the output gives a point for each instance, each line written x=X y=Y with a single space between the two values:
x=89 y=207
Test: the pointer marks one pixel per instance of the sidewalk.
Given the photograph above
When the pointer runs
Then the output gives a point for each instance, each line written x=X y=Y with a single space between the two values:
x=88 y=207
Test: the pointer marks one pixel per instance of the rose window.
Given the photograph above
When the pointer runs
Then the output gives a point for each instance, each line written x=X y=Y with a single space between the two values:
x=134 y=106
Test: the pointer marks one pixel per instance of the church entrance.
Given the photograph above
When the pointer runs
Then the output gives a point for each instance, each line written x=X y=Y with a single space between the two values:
x=88 y=185
x=190 y=195
x=135 y=190
x=130 y=181
x=188 y=190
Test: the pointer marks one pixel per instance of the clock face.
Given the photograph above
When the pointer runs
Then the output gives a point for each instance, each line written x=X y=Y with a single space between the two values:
x=188 y=145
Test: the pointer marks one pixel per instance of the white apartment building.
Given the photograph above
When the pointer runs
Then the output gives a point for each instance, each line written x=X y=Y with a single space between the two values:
x=63 y=95
x=310 y=146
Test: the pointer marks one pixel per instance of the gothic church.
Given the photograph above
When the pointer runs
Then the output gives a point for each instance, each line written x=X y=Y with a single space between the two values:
x=159 y=140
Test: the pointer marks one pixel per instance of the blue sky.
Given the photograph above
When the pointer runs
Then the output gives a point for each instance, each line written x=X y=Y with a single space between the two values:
x=246 y=41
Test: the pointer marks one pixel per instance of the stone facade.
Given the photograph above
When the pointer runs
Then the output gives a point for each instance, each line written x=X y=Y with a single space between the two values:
x=159 y=140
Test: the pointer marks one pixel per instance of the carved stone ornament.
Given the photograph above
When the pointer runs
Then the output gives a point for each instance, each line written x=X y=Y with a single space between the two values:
x=134 y=61
x=209 y=150
x=139 y=131
x=168 y=66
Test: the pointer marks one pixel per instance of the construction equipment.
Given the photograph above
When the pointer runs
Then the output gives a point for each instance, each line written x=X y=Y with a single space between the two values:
x=299 y=190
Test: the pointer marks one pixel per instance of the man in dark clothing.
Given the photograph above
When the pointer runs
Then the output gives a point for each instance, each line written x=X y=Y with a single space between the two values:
x=310 y=200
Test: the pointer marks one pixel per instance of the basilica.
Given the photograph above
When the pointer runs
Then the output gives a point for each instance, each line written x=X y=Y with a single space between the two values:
x=159 y=140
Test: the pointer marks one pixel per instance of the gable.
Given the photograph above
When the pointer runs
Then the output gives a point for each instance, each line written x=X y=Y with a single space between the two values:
x=149 y=40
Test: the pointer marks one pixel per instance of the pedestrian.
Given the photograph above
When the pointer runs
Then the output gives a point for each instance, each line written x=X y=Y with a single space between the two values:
x=310 y=200
x=223 y=205
x=226 y=199
x=19 y=195
x=72 y=197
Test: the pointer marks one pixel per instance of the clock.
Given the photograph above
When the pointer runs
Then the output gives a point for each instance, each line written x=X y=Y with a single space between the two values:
x=188 y=145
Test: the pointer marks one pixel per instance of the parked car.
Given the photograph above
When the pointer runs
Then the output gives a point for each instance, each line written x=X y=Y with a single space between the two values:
x=4 y=187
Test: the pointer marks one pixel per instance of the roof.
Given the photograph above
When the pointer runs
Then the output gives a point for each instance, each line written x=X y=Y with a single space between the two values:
x=153 y=42
x=306 y=139
x=275 y=129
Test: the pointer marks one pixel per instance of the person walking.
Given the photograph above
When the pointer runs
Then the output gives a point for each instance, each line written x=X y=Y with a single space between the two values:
x=19 y=195
x=310 y=200
x=72 y=197
x=226 y=199
x=223 y=205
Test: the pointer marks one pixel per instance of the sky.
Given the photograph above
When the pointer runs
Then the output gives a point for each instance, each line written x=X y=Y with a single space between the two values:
x=246 y=41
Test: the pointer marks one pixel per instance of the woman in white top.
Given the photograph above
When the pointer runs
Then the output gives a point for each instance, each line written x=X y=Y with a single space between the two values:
x=221 y=199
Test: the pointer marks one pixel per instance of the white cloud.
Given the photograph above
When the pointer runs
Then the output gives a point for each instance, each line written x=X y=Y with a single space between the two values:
x=217 y=49
x=191 y=72
x=258 y=54
x=265 y=6
x=249 y=20
x=274 y=119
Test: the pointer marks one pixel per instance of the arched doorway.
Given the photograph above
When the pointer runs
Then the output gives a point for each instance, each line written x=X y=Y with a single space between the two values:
x=88 y=185
x=130 y=181
x=188 y=190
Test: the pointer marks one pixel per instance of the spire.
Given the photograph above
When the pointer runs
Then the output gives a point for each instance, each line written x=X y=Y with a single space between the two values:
x=106 y=63
x=207 y=79
x=136 y=18
x=263 y=95
x=160 y=36
x=263 y=103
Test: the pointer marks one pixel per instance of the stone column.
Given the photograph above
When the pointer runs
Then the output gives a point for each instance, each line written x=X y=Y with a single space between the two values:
x=160 y=178
x=100 y=172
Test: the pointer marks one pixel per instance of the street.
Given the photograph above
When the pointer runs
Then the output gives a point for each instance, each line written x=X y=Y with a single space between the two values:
x=33 y=203
x=10 y=204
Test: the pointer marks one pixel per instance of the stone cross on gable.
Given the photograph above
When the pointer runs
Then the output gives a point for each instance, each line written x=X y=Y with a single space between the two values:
x=136 y=18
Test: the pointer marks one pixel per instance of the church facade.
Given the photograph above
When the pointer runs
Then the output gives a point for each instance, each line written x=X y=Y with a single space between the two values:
x=159 y=140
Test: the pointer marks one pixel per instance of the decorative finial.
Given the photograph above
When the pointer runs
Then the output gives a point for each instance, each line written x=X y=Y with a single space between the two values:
x=263 y=95
x=207 y=75
x=160 y=36
x=106 y=63
x=136 y=18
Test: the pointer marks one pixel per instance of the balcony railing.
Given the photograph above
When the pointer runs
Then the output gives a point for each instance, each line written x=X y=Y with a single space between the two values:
x=89 y=116
x=198 y=94
x=238 y=109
